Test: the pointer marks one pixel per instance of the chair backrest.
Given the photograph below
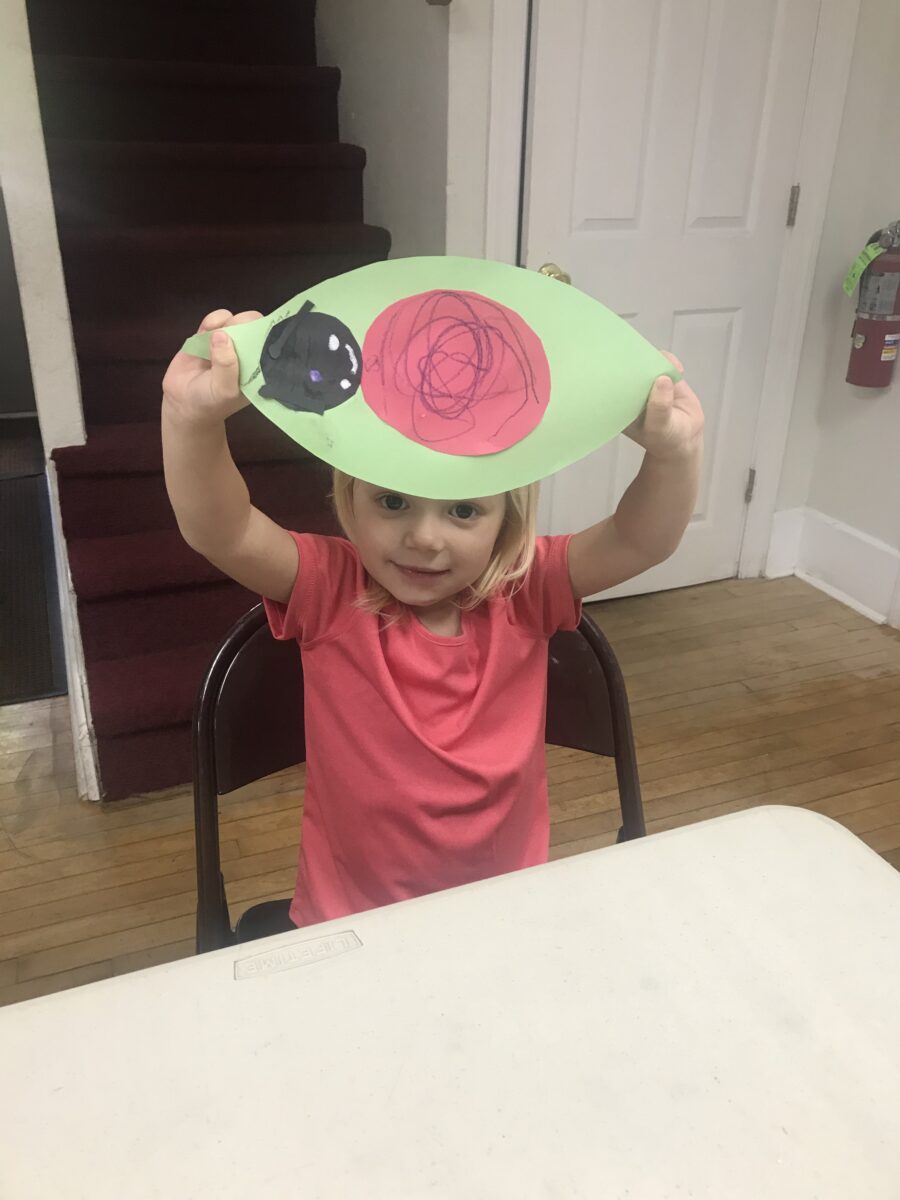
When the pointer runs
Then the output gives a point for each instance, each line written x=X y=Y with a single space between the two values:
x=248 y=723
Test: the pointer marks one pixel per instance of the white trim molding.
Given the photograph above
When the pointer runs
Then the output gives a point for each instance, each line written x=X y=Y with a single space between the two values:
x=485 y=123
x=849 y=565
x=87 y=777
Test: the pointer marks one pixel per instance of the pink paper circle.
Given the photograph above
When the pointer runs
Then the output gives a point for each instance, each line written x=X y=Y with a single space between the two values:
x=455 y=371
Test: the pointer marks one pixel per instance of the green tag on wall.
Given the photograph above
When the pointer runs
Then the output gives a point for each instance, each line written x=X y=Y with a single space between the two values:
x=867 y=255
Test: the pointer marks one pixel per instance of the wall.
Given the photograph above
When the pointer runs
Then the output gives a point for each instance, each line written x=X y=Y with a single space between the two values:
x=32 y=228
x=842 y=463
x=17 y=393
x=393 y=103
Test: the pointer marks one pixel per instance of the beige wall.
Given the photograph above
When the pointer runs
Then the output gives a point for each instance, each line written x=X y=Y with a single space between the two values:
x=32 y=229
x=393 y=103
x=843 y=453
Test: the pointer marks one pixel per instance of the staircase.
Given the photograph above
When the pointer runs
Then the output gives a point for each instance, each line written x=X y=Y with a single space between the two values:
x=195 y=164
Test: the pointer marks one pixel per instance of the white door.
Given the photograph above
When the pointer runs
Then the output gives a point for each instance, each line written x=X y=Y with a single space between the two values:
x=663 y=137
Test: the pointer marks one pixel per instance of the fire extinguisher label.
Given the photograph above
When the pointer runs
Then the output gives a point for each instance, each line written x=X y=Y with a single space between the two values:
x=878 y=294
x=889 y=349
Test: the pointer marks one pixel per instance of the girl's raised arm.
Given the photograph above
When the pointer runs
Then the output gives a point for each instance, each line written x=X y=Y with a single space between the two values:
x=655 y=510
x=207 y=492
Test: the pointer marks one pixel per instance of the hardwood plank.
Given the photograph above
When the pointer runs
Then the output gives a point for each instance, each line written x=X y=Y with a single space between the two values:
x=884 y=839
x=118 y=828
x=28 y=990
x=13 y=741
x=107 y=878
x=845 y=805
x=116 y=856
x=876 y=817
x=36 y=764
x=815 y=723
x=261 y=843
x=791 y=647
x=751 y=773
x=107 y=947
x=757 y=675
x=99 y=924
x=598 y=842
x=31 y=794
x=155 y=956
x=667 y=814
x=58 y=914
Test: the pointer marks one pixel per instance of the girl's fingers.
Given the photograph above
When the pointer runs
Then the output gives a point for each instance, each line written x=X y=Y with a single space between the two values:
x=242 y=318
x=224 y=377
x=676 y=362
x=215 y=320
x=660 y=403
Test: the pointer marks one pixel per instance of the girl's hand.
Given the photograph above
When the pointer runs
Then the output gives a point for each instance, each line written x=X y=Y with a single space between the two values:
x=671 y=425
x=208 y=391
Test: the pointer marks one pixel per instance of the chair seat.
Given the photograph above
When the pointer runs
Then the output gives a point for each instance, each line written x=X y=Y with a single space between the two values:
x=264 y=920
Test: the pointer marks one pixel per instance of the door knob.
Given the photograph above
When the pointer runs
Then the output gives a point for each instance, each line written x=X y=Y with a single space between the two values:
x=555 y=272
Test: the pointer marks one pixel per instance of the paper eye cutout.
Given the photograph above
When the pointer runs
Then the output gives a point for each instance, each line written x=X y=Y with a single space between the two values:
x=456 y=371
x=310 y=362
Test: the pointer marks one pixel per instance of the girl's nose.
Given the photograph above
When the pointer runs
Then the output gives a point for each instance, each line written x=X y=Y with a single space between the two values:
x=424 y=533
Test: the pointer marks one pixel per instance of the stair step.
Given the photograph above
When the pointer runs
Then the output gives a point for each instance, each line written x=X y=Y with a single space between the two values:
x=156 y=560
x=130 y=182
x=169 y=682
x=137 y=763
x=148 y=100
x=116 y=392
x=123 y=504
x=185 y=272
x=136 y=448
x=135 y=563
x=214 y=30
x=122 y=626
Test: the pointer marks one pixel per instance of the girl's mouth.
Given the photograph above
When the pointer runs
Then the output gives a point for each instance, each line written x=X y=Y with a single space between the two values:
x=420 y=572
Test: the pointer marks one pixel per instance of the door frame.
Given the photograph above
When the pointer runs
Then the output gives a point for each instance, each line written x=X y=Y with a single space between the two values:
x=489 y=63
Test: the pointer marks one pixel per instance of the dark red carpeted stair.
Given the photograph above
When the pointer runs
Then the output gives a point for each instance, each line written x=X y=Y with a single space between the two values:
x=195 y=162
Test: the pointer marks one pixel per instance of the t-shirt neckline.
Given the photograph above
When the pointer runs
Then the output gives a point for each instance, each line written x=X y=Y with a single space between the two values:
x=455 y=640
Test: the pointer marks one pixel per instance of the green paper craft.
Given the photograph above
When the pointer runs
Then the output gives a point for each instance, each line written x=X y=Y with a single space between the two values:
x=557 y=374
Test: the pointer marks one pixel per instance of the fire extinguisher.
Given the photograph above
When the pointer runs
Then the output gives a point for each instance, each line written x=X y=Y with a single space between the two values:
x=876 y=331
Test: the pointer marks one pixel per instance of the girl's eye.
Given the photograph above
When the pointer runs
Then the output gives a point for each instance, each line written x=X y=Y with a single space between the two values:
x=391 y=502
x=465 y=512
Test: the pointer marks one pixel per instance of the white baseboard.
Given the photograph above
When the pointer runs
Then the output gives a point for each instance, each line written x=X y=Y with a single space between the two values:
x=846 y=563
x=87 y=778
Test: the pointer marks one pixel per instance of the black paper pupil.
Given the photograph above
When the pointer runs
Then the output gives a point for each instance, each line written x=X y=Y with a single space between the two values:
x=310 y=362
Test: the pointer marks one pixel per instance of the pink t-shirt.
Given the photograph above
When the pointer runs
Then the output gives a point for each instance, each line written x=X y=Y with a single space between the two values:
x=425 y=754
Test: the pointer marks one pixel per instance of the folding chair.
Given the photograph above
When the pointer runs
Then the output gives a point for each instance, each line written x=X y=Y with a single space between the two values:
x=248 y=723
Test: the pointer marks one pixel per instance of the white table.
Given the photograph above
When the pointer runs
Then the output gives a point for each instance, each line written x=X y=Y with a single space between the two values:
x=709 y=1013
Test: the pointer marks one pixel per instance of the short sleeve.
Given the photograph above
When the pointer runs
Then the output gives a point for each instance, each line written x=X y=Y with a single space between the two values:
x=328 y=580
x=545 y=602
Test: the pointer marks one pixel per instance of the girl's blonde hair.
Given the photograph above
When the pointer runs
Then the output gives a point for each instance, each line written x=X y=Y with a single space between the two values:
x=512 y=557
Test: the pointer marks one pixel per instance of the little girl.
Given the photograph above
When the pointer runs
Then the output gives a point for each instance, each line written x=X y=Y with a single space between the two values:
x=424 y=638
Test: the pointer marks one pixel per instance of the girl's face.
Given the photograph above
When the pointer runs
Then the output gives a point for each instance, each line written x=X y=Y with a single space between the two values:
x=424 y=552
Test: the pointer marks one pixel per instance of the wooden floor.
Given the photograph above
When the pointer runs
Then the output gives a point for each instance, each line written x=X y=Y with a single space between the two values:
x=743 y=693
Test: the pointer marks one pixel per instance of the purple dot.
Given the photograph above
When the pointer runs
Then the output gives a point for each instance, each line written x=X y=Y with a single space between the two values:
x=316 y=376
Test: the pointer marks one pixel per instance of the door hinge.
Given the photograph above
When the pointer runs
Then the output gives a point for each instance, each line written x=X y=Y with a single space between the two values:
x=751 y=486
x=792 y=204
